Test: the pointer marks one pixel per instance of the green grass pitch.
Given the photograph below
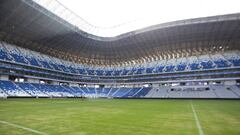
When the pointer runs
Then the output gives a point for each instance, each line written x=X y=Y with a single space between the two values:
x=119 y=117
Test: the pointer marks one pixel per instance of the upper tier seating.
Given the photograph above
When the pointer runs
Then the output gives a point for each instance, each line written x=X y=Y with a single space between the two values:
x=149 y=70
x=125 y=72
x=109 y=73
x=170 y=65
x=193 y=63
x=206 y=62
x=140 y=70
x=99 y=72
x=15 y=54
x=116 y=72
x=234 y=58
x=4 y=55
x=19 y=55
x=29 y=57
x=90 y=71
x=181 y=64
x=220 y=61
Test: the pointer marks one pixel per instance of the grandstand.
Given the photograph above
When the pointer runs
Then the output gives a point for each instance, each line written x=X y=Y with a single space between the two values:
x=192 y=58
x=60 y=74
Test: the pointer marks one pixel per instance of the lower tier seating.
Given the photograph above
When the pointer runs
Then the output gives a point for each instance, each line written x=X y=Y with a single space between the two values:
x=14 y=89
x=211 y=91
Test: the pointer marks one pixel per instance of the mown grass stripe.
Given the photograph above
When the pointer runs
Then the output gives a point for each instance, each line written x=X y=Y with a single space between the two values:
x=22 y=127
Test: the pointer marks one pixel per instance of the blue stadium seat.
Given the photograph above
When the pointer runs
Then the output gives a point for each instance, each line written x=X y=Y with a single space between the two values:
x=207 y=64
x=169 y=68
x=4 y=55
x=116 y=72
x=132 y=92
x=121 y=92
x=85 y=90
x=81 y=71
x=143 y=92
x=109 y=73
x=31 y=89
x=132 y=72
x=18 y=58
x=63 y=68
x=194 y=66
x=33 y=61
x=124 y=72
x=11 y=89
x=235 y=62
x=90 y=71
x=149 y=70
x=221 y=63
x=181 y=67
x=112 y=91
x=140 y=71
x=45 y=64
x=75 y=90
x=55 y=66
x=73 y=70
x=159 y=69
x=105 y=91
x=99 y=72
x=7 y=85
x=91 y=90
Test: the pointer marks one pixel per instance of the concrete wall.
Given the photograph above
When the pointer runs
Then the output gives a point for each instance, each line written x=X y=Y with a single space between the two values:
x=32 y=80
x=233 y=82
x=4 y=77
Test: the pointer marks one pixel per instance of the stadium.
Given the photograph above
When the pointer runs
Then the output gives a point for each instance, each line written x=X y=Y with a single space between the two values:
x=177 y=77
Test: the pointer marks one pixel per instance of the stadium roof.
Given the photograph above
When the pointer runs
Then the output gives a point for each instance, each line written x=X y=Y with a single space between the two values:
x=28 y=24
x=107 y=18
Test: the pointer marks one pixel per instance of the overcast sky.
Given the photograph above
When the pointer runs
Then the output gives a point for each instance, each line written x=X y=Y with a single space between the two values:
x=109 y=13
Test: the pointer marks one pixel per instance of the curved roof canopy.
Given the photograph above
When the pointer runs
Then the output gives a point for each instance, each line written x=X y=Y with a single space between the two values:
x=107 y=18
x=30 y=25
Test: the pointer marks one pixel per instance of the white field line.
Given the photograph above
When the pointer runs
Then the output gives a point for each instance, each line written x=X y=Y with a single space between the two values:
x=21 y=127
x=200 y=131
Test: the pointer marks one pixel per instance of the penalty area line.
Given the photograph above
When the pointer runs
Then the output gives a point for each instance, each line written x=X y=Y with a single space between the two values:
x=22 y=127
x=200 y=131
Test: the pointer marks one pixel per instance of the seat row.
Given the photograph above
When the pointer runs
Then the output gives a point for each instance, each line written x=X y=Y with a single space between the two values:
x=9 y=88
x=27 y=57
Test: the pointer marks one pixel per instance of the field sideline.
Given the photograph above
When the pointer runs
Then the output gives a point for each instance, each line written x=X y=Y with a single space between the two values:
x=119 y=117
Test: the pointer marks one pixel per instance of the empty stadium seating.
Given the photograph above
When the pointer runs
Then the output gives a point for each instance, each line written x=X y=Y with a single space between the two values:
x=33 y=91
x=15 y=89
x=12 y=89
x=19 y=55
x=211 y=91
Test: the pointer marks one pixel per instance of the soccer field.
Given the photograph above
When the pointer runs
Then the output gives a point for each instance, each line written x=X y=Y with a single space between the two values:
x=119 y=117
